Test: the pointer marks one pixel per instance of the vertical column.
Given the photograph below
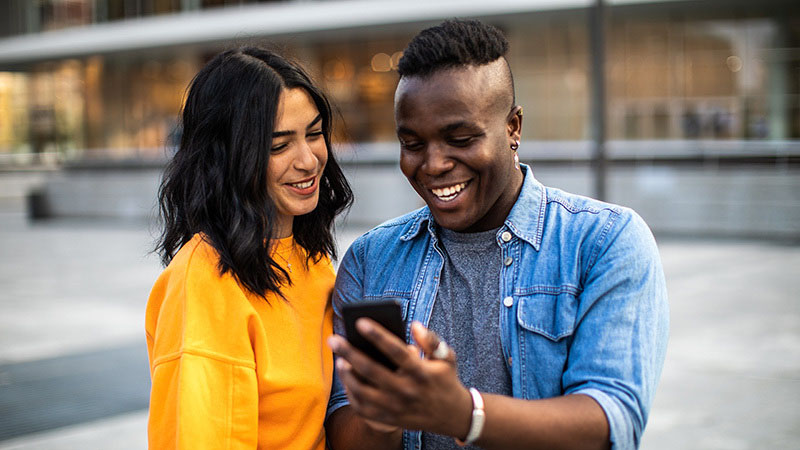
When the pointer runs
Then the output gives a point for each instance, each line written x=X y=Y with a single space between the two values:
x=778 y=85
x=598 y=92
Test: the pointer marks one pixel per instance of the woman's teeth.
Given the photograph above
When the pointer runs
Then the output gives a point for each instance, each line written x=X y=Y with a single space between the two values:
x=448 y=193
x=304 y=185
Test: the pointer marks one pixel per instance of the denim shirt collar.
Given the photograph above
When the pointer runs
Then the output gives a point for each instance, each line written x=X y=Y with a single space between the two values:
x=526 y=219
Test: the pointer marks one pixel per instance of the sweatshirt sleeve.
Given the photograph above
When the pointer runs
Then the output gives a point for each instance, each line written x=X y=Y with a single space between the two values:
x=204 y=392
x=202 y=401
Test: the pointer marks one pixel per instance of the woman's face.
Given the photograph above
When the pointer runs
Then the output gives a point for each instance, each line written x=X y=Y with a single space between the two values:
x=297 y=158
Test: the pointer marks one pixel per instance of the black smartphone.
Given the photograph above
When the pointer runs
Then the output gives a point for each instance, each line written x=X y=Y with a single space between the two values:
x=385 y=312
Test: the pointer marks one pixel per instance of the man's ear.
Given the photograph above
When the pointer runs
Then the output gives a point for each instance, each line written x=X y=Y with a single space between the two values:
x=514 y=124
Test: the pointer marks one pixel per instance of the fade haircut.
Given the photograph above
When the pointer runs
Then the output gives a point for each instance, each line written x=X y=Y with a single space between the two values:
x=454 y=43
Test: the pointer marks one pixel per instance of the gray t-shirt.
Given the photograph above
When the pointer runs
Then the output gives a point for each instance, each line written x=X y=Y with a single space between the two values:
x=466 y=314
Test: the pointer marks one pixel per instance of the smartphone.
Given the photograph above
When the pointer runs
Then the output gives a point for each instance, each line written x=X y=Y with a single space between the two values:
x=387 y=313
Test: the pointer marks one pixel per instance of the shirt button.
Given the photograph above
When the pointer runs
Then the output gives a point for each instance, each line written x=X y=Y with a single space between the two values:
x=506 y=236
x=509 y=360
x=508 y=301
x=508 y=261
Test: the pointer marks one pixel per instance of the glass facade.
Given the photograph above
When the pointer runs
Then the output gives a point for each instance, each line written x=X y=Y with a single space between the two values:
x=34 y=16
x=711 y=79
x=668 y=78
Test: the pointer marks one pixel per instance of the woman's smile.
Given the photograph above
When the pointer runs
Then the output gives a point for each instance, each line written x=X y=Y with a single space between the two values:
x=304 y=187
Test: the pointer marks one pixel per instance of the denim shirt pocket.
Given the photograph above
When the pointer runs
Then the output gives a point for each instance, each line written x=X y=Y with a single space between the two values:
x=550 y=315
x=546 y=320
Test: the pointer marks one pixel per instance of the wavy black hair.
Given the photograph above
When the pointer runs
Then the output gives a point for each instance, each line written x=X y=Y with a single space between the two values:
x=454 y=43
x=216 y=184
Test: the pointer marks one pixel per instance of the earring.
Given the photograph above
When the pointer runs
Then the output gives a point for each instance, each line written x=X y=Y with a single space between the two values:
x=514 y=148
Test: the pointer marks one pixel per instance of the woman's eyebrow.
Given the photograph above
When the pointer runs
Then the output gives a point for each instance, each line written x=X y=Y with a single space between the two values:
x=315 y=121
x=282 y=133
x=291 y=132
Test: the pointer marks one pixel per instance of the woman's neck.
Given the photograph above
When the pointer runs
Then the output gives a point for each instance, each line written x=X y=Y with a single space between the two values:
x=283 y=226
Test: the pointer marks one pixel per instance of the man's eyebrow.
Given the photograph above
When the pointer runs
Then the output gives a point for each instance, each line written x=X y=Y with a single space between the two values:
x=403 y=130
x=455 y=126
x=290 y=132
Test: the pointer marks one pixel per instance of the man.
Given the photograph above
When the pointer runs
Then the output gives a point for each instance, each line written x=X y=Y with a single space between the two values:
x=554 y=304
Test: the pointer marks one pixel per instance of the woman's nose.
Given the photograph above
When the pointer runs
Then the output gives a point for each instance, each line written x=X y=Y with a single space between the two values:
x=305 y=159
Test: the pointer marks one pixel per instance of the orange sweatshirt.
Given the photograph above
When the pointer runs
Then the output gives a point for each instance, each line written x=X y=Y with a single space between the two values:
x=230 y=370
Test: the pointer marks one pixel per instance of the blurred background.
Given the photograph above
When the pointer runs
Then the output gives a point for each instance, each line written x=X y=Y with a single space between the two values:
x=687 y=111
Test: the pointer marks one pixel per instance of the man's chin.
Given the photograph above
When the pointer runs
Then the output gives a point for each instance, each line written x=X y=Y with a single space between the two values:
x=454 y=221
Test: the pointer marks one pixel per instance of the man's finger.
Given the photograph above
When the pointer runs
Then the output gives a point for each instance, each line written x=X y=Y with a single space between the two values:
x=432 y=346
x=369 y=401
x=362 y=364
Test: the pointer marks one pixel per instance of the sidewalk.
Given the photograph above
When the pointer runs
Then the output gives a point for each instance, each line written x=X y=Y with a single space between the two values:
x=72 y=311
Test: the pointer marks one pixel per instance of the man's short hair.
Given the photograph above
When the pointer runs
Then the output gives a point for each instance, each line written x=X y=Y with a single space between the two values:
x=453 y=43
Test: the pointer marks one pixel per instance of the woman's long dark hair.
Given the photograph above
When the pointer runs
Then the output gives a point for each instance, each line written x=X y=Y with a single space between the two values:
x=216 y=184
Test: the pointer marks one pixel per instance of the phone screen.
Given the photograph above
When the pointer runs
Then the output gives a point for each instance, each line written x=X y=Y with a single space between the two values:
x=387 y=313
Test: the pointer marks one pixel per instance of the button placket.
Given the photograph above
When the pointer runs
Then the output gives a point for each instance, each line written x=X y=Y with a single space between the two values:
x=506 y=237
x=506 y=285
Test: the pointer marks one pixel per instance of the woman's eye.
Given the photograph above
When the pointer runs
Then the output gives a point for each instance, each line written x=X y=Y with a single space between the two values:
x=314 y=133
x=278 y=148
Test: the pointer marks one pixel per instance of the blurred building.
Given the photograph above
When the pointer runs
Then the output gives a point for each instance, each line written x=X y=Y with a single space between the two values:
x=687 y=82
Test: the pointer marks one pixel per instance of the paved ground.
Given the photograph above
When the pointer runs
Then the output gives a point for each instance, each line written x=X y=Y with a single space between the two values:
x=73 y=372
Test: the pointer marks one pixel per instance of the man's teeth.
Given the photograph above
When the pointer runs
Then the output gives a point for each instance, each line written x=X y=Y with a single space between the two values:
x=305 y=185
x=449 y=193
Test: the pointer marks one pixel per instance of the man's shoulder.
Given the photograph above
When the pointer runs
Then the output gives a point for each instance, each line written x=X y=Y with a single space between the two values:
x=392 y=233
x=576 y=203
x=586 y=216
x=397 y=226
x=402 y=222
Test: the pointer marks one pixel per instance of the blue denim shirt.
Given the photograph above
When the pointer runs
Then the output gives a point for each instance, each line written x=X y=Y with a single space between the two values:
x=585 y=302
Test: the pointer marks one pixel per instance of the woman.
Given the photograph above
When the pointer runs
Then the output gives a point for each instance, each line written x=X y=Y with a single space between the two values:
x=236 y=323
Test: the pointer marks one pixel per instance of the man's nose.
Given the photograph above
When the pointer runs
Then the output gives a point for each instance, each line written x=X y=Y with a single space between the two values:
x=437 y=160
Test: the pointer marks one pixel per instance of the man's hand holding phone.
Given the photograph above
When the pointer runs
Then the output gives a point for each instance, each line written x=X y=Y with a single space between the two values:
x=421 y=394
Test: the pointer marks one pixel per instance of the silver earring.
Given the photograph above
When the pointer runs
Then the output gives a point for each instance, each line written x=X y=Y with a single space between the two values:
x=514 y=147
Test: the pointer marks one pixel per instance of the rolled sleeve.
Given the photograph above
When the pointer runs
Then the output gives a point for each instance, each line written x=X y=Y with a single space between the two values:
x=620 y=427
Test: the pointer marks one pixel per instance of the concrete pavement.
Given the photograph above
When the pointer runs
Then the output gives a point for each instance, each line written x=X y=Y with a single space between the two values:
x=72 y=311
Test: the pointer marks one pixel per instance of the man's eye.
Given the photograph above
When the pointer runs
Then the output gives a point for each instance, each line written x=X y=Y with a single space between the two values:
x=406 y=145
x=460 y=142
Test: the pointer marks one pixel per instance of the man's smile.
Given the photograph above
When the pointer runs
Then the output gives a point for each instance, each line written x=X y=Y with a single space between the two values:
x=449 y=193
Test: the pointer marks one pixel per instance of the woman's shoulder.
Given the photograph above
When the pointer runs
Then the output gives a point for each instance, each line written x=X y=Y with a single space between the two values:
x=196 y=267
x=197 y=304
x=196 y=254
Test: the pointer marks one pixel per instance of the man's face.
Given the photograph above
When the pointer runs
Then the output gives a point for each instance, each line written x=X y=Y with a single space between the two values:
x=455 y=134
